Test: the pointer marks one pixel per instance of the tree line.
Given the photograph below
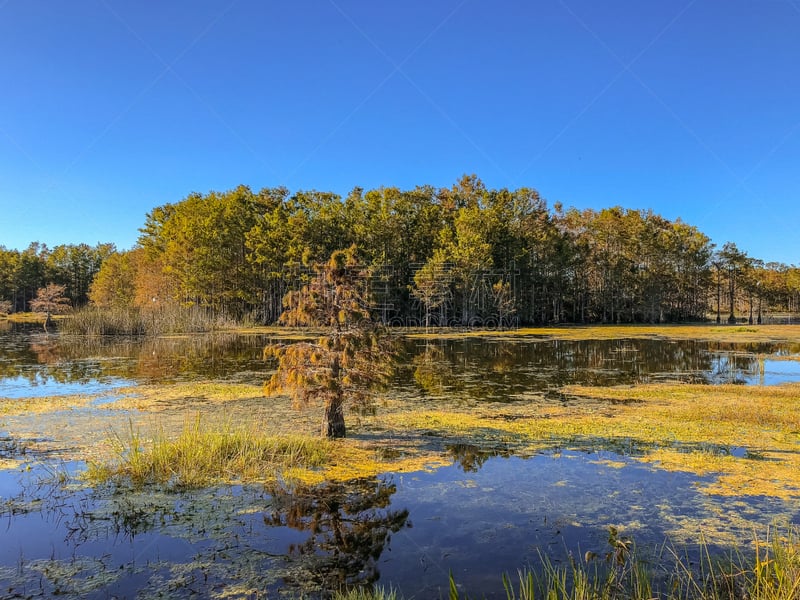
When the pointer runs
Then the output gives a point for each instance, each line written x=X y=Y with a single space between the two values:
x=465 y=254
x=73 y=266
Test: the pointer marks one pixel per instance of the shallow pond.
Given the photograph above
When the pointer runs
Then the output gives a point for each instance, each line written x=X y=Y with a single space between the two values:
x=410 y=531
x=487 y=513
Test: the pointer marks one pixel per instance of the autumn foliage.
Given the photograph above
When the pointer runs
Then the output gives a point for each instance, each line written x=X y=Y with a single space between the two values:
x=351 y=357
x=463 y=255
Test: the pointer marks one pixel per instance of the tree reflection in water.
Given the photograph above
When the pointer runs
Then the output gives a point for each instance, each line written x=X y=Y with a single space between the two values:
x=467 y=369
x=471 y=458
x=348 y=526
x=302 y=540
x=432 y=372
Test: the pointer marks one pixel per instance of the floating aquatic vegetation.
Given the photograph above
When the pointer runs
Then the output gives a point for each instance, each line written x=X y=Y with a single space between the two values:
x=760 y=333
x=745 y=436
x=72 y=578
x=45 y=404
x=154 y=398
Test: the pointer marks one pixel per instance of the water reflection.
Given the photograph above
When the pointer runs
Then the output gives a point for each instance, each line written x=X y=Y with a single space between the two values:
x=514 y=512
x=481 y=517
x=510 y=369
x=734 y=366
x=347 y=525
x=226 y=542
x=35 y=363
x=471 y=458
x=38 y=364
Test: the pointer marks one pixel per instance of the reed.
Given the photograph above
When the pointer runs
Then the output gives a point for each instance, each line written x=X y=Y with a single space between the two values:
x=378 y=593
x=769 y=571
x=94 y=321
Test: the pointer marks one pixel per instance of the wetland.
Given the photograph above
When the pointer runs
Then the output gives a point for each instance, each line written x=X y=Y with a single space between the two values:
x=488 y=452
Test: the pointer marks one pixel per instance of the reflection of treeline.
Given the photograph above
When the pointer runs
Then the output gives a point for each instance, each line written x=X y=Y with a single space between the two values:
x=473 y=369
x=68 y=359
x=465 y=254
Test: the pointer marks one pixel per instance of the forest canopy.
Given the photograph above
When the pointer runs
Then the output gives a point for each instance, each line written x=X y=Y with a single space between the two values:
x=465 y=255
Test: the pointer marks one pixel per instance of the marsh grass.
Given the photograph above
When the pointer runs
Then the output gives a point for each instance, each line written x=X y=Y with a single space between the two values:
x=201 y=456
x=769 y=571
x=94 y=321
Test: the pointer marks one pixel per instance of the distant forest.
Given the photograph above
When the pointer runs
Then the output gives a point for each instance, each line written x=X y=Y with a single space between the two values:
x=464 y=255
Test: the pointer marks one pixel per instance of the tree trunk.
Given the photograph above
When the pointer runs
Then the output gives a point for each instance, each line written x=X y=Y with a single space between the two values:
x=333 y=419
x=732 y=317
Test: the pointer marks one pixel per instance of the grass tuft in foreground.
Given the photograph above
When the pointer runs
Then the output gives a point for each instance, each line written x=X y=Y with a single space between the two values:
x=378 y=593
x=772 y=572
x=201 y=456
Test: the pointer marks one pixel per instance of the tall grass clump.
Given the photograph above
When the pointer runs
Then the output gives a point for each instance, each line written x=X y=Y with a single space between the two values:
x=377 y=593
x=201 y=455
x=104 y=321
x=95 y=321
x=770 y=571
x=621 y=573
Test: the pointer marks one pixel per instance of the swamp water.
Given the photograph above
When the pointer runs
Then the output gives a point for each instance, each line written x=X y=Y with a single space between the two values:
x=489 y=512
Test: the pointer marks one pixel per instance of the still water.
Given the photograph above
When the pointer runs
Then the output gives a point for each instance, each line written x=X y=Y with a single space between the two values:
x=486 y=514
x=36 y=364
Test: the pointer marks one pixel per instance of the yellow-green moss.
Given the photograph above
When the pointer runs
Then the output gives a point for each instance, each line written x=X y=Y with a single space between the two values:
x=44 y=404
x=153 y=398
x=748 y=437
x=751 y=333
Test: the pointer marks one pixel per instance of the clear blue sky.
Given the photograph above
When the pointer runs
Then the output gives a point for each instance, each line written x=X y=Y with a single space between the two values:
x=109 y=108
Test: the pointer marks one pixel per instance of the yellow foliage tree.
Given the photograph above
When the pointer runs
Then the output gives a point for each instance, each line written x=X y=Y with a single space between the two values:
x=351 y=358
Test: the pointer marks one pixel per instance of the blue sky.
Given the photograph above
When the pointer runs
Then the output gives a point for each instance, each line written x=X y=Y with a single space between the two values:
x=691 y=108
